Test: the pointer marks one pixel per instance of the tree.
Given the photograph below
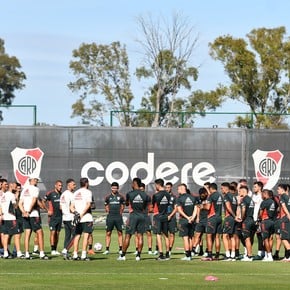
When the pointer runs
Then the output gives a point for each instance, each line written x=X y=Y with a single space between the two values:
x=101 y=70
x=259 y=73
x=11 y=78
x=168 y=49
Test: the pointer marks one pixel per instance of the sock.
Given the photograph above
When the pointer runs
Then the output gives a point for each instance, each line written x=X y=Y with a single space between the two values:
x=53 y=248
x=197 y=249
x=90 y=247
x=75 y=255
x=167 y=254
x=6 y=254
x=136 y=249
x=233 y=254
x=107 y=248
x=123 y=254
x=19 y=253
x=41 y=253
x=120 y=248
x=187 y=253
x=161 y=254
x=193 y=249
x=35 y=248
x=27 y=254
x=84 y=254
x=277 y=253
x=156 y=248
x=269 y=255
x=260 y=253
x=138 y=254
x=228 y=254
x=210 y=254
x=237 y=252
x=170 y=248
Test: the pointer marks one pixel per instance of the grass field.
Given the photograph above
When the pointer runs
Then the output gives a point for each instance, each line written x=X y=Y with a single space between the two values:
x=105 y=272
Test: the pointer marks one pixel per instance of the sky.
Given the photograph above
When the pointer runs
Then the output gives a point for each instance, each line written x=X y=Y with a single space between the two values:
x=43 y=34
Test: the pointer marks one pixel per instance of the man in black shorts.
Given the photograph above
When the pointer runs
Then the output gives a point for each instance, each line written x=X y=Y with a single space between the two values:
x=172 y=210
x=137 y=201
x=214 y=229
x=160 y=203
x=55 y=215
x=114 y=206
x=186 y=206
x=31 y=216
x=266 y=215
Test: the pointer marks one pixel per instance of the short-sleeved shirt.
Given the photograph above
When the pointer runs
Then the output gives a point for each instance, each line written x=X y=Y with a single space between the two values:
x=81 y=197
x=65 y=202
x=27 y=195
x=160 y=202
x=114 y=202
x=257 y=199
x=138 y=201
x=216 y=204
x=7 y=202
x=248 y=203
x=229 y=197
x=268 y=209
x=54 y=198
x=284 y=199
x=187 y=202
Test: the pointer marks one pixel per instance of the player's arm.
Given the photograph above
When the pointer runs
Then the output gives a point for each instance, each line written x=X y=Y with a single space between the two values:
x=127 y=199
x=86 y=209
x=194 y=213
x=32 y=205
x=172 y=214
x=284 y=207
x=229 y=209
x=243 y=211
x=182 y=213
x=72 y=207
x=122 y=204
x=107 y=207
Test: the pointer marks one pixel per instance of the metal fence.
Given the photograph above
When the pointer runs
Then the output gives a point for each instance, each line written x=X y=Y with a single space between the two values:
x=119 y=154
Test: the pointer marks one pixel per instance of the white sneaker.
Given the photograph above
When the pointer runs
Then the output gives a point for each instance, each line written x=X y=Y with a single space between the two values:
x=186 y=259
x=138 y=258
x=156 y=253
x=267 y=259
x=135 y=253
x=120 y=258
x=150 y=253
x=55 y=253
x=120 y=252
x=107 y=252
x=64 y=251
x=247 y=259
x=169 y=253
x=205 y=254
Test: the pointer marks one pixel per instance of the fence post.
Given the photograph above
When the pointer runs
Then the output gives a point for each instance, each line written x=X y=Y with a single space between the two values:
x=111 y=118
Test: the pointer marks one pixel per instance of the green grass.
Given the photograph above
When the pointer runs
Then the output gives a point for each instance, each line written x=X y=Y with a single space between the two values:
x=105 y=272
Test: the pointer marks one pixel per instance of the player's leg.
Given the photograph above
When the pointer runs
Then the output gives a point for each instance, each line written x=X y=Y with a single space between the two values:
x=119 y=227
x=90 y=245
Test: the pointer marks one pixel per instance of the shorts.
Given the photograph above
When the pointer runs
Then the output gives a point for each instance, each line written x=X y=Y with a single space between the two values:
x=172 y=225
x=229 y=225
x=32 y=223
x=135 y=224
x=201 y=226
x=114 y=222
x=55 y=224
x=86 y=227
x=148 y=224
x=214 y=225
x=285 y=228
x=11 y=228
x=267 y=229
x=238 y=229
x=277 y=226
x=186 y=229
x=160 y=224
x=248 y=228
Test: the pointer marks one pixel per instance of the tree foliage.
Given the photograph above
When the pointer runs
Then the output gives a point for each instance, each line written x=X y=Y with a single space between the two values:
x=258 y=68
x=101 y=71
x=11 y=77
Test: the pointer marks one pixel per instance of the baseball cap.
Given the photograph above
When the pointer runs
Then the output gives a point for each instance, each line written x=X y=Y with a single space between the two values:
x=33 y=176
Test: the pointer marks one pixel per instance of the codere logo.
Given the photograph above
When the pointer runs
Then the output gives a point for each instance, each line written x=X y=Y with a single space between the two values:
x=118 y=171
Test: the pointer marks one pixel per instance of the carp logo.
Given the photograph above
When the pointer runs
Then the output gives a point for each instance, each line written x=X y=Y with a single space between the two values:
x=26 y=162
x=268 y=167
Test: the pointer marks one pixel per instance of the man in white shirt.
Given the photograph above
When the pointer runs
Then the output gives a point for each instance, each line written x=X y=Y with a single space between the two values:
x=66 y=199
x=81 y=205
x=10 y=224
x=31 y=216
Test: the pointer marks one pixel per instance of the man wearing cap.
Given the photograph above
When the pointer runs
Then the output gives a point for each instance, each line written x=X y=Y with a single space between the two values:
x=31 y=216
